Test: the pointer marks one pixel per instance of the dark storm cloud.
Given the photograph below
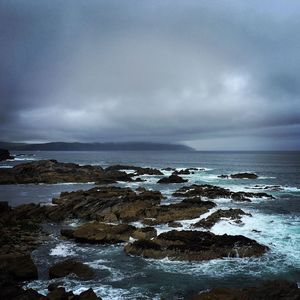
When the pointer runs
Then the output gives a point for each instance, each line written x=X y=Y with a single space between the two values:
x=213 y=74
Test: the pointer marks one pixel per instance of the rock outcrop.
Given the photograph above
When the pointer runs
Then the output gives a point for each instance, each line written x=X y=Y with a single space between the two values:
x=244 y=175
x=100 y=233
x=232 y=214
x=71 y=267
x=275 y=290
x=172 y=179
x=187 y=209
x=214 y=192
x=195 y=246
x=52 y=171
x=4 y=155
x=18 y=267
x=138 y=171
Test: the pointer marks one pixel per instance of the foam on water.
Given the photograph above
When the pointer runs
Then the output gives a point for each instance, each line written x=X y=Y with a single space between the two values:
x=64 y=249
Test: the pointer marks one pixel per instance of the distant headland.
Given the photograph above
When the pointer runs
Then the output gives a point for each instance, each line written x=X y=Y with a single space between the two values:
x=121 y=146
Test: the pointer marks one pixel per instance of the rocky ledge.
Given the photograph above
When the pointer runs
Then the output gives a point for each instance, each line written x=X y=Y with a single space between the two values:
x=273 y=290
x=232 y=214
x=52 y=171
x=4 y=155
x=214 y=192
x=195 y=246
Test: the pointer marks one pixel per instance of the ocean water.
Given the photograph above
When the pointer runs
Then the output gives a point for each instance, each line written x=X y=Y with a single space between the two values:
x=275 y=223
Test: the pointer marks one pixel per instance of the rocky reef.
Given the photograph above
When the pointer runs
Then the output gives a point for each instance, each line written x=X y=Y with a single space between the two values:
x=215 y=192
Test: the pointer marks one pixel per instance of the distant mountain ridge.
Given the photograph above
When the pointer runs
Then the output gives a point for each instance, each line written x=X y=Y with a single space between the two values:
x=124 y=146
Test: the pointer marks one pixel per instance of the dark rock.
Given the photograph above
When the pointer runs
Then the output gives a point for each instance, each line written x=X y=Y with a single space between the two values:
x=147 y=171
x=4 y=155
x=70 y=266
x=107 y=204
x=195 y=246
x=100 y=233
x=54 y=285
x=88 y=295
x=172 y=179
x=244 y=176
x=214 y=192
x=273 y=290
x=169 y=169
x=144 y=233
x=174 y=224
x=67 y=233
x=187 y=209
x=17 y=267
x=211 y=220
x=182 y=172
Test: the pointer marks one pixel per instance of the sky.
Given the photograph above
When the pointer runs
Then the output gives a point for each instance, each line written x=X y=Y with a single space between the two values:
x=214 y=75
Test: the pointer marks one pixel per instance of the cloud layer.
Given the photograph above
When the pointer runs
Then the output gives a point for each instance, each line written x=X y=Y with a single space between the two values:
x=212 y=74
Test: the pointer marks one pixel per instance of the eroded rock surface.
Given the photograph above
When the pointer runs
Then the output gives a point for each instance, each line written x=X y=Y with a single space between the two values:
x=232 y=214
x=69 y=267
x=214 y=192
x=52 y=171
x=195 y=246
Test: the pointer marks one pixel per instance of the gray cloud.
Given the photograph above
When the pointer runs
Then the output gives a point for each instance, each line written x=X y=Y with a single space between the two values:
x=200 y=72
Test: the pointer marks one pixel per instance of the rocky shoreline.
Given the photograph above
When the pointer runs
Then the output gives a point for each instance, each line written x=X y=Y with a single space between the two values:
x=107 y=213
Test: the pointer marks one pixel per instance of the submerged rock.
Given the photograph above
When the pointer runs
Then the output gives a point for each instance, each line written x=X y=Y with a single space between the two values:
x=273 y=290
x=195 y=246
x=172 y=179
x=4 y=155
x=100 y=233
x=69 y=267
x=211 y=220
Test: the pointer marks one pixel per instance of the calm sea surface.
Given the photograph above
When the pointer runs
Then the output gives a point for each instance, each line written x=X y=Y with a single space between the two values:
x=276 y=223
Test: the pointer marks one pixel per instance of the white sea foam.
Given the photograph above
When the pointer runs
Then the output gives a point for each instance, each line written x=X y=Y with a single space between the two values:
x=6 y=167
x=63 y=249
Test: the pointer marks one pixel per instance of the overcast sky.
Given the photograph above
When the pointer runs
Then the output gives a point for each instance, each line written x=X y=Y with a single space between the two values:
x=215 y=75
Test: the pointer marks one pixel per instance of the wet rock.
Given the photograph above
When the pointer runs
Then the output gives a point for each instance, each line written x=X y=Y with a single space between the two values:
x=147 y=171
x=19 y=234
x=244 y=175
x=105 y=204
x=69 y=267
x=4 y=155
x=49 y=171
x=144 y=233
x=214 y=192
x=169 y=169
x=138 y=170
x=195 y=246
x=100 y=233
x=187 y=209
x=17 y=267
x=174 y=224
x=275 y=290
x=172 y=179
x=67 y=233
x=232 y=214
x=88 y=295
x=182 y=172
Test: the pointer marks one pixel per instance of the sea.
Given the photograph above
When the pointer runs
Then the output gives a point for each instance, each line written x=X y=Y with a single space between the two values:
x=275 y=223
